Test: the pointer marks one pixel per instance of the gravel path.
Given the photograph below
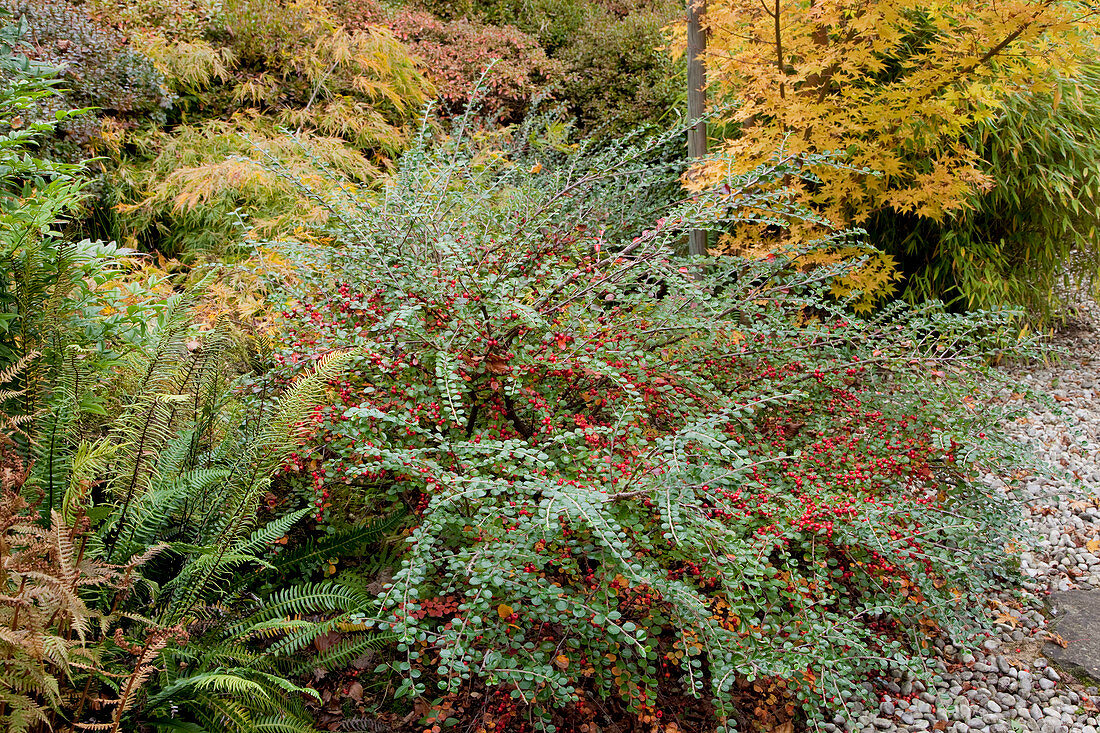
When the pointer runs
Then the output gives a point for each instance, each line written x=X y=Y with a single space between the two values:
x=1012 y=685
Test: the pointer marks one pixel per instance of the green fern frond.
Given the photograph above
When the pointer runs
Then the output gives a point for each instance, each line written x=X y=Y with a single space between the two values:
x=265 y=536
x=269 y=449
x=89 y=461
x=340 y=544
x=308 y=598
x=216 y=713
x=282 y=725
x=347 y=650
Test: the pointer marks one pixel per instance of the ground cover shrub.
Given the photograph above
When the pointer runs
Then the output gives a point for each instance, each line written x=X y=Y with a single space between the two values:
x=645 y=489
x=910 y=95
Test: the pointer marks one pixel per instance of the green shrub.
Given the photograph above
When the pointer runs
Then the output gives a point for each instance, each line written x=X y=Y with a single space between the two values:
x=633 y=481
x=1039 y=223
x=184 y=21
x=100 y=69
x=456 y=53
x=620 y=75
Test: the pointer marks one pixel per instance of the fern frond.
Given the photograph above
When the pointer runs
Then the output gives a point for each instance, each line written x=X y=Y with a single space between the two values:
x=263 y=537
x=308 y=598
x=88 y=461
x=340 y=544
x=347 y=650
x=12 y=371
x=281 y=725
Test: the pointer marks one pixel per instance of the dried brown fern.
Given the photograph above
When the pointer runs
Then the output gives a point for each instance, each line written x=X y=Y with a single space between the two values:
x=11 y=423
x=50 y=636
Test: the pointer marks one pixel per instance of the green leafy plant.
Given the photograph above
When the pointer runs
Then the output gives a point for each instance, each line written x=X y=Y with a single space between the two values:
x=639 y=478
x=621 y=75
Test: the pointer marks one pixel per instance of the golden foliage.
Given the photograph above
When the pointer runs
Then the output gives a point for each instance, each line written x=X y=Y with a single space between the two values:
x=192 y=65
x=246 y=71
x=891 y=87
x=203 y=174
x=867 y=274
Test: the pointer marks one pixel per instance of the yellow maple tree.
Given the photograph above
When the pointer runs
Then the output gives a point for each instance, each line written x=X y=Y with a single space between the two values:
x=890 y=86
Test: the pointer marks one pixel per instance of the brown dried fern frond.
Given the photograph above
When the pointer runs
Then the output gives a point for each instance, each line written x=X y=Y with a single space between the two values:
x=49 y=634
x=10 y=424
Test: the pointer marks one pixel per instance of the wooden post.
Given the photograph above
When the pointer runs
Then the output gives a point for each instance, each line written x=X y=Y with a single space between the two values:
x=697 y=101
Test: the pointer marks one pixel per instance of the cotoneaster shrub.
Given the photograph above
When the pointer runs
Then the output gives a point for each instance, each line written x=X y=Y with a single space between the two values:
x=644 y=491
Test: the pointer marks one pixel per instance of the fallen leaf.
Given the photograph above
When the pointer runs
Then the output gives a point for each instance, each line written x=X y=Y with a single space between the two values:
x=504 y=610
x=1093 y=546
x=561 y=662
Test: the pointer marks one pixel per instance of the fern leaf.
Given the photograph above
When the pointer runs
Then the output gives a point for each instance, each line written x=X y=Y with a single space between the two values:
x=341 y=544
x=263 y=537
x=345 y=652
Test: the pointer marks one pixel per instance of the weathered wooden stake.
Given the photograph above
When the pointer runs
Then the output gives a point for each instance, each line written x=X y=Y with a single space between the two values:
x=697 y=101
